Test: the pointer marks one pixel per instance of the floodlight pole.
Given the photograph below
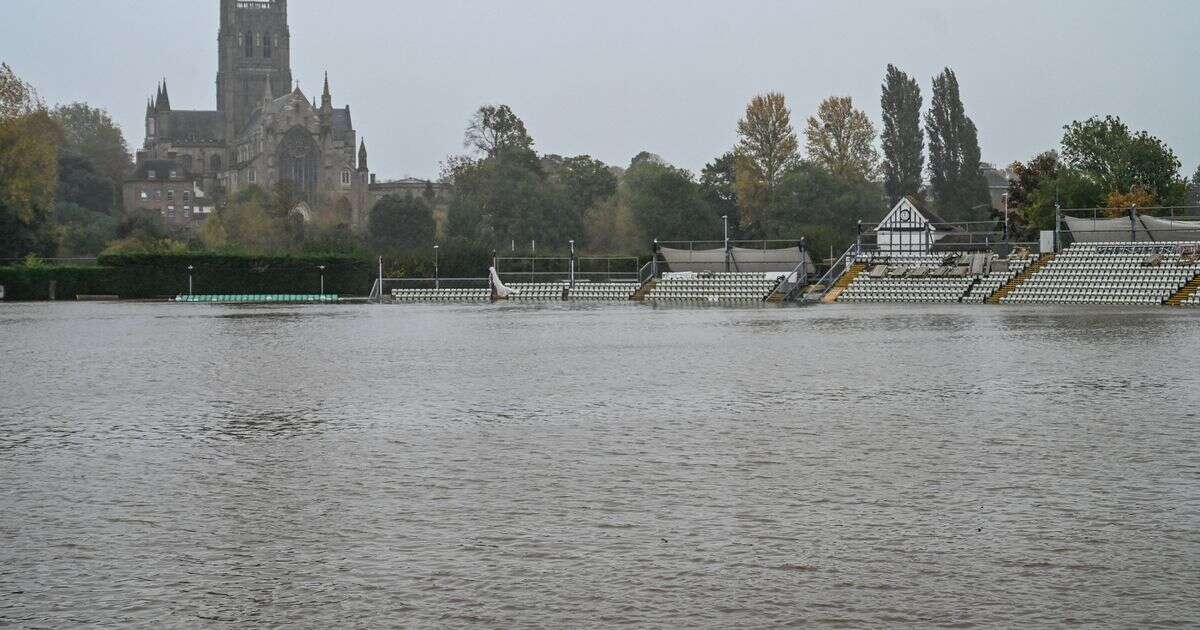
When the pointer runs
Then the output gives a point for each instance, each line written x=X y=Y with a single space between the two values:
x=437 y=277
x=1005 y=216
x=572 y=242
x=190 y=269
x=1057 y=222
x=725 y=218
x=322 y=268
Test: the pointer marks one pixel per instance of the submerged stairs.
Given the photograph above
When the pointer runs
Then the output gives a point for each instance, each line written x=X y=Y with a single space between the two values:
x=645 y=289
x=838 y=287
x=1184 y=293
x=1020 y=279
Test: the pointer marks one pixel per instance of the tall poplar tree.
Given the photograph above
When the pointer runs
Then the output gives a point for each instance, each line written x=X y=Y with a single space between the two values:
x=903 y=139
x=960 y=191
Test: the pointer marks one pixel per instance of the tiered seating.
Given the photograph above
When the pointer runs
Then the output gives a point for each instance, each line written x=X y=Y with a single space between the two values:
x=989 y=284
x=441 y=295
x=603 y=291
x=932 y=277
x=712 y=287
x=241 y=298
x=1110 y=273
x=529 y=291
x=866 y=288
x=1192 y=300
x=538 y=291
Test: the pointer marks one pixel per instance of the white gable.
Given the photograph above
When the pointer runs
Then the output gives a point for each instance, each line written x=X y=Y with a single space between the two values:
x=904 y=217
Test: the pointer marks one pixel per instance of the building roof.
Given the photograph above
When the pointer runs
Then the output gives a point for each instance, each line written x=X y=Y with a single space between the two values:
x=196 y=127
x=162 y=171
x=930 y=216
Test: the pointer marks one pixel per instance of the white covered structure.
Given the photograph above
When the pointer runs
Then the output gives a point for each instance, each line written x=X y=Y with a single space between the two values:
x=908 y=228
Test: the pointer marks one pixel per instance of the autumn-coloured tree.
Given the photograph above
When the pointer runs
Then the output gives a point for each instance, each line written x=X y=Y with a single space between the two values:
x=766 y=148
x=902 y=138
x=17 y=98
x=842 y=140
x=1119 y=203
x=28 y=169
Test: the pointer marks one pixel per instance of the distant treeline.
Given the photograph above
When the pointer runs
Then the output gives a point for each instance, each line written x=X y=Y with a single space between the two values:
x=61 y=172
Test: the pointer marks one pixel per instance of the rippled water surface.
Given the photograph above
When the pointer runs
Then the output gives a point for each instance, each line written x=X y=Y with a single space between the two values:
x=566 y=466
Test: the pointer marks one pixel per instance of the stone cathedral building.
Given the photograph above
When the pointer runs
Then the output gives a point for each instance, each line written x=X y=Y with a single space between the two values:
x=264 y=131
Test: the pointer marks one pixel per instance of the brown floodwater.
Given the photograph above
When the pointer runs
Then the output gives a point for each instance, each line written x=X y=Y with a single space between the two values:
x=560 y=466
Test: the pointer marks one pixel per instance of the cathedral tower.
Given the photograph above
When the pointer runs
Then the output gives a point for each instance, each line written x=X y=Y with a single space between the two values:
x=254 y=47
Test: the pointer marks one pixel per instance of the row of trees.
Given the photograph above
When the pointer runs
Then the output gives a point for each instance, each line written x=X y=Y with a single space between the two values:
x=1100 y=163
x=61 y=171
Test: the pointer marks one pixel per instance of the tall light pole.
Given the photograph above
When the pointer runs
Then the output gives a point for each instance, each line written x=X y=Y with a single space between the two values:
x=1006 y=216
x=437 y=276
x=725 y=218
x=572 y=242
x=322 y=268
x=190 y=269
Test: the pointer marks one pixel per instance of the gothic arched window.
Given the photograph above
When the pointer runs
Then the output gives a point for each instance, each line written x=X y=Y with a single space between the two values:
x=249 y=39
x=215 y=164
x=267 y=46
x=299 y=162
x=346 y=177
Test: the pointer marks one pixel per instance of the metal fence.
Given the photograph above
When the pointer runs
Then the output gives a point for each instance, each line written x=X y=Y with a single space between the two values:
x=559 y=268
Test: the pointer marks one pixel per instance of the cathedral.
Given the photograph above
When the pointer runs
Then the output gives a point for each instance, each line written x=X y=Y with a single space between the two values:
x=264 y=131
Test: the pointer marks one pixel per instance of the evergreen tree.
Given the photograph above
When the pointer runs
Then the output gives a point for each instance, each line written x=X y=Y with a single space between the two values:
x=1194 y=189
x=960 y=191
x=903 y=139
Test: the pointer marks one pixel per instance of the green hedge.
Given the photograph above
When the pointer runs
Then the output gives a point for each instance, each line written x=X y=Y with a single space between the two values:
x=141 y=276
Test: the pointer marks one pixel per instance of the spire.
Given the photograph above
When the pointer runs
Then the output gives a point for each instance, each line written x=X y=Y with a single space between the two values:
x=362 y=156
x=165 y=102
x=326 y=96
x=268 y=93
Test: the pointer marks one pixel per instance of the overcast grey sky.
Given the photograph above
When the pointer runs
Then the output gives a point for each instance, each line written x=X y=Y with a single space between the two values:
x=613 y=78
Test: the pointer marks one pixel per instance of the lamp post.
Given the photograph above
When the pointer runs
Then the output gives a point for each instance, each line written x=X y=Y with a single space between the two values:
x=190 y=269
x=437 y=277
x=322 y=268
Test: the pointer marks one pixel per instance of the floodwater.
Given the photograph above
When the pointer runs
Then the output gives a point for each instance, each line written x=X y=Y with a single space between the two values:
x=524 y=466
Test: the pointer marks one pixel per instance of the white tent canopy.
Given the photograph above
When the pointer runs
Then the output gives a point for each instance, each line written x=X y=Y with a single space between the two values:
x=743 y=259
x=1145 y=229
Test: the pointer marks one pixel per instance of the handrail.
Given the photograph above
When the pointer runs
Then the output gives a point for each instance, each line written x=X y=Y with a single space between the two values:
x=800 y=273
x=828 y=279
x=647 y=272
